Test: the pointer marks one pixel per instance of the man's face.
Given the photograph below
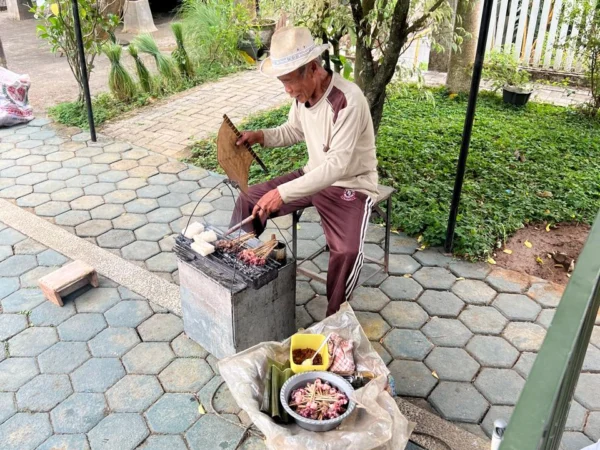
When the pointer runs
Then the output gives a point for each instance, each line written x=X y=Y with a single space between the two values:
x=300 y=84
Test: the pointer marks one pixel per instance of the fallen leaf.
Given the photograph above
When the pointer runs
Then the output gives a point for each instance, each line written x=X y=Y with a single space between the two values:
x=420 y=238
x=558 y=265
x=54 y=9
x=434 y=373
x=548 y=228
x=452 y=96
x=545 y=194
x=407 y=275
x=460 y=278
x=395 y=232
x=528 y=244
x=201 y=409
x=539 y=260
x=491 y=261
x=507 y=251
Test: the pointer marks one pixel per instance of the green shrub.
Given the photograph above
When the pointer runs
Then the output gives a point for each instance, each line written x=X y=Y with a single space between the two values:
x=517 y=157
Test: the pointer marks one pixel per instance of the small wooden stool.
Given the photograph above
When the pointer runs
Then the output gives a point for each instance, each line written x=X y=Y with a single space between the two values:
x=66 y=280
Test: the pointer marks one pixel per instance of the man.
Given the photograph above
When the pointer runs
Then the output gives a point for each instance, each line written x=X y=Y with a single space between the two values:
x=340 y=180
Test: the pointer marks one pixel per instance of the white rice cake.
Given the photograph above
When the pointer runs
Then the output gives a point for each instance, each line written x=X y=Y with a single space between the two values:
x=203 y=248
x=193 y=229
x=206 y=236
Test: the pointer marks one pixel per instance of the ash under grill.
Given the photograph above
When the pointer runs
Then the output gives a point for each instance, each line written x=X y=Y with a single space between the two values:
x=225 y=267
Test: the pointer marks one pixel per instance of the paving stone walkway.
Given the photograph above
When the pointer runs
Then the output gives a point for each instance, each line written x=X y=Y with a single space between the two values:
x=172 y=125
x=460 y=336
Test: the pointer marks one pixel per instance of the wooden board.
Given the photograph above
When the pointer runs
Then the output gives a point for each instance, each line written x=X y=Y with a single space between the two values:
x=66 y=280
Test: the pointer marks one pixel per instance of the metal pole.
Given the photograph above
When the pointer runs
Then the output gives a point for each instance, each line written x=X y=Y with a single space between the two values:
x=84 y=75
x=466 y=141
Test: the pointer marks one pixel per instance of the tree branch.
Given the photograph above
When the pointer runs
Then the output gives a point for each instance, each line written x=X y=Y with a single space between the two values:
x=417 y=24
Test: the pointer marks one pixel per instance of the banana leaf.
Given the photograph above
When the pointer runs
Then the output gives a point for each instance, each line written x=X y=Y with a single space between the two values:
x=277 y=375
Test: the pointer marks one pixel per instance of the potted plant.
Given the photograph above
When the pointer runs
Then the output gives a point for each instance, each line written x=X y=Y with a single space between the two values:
x=504 y=72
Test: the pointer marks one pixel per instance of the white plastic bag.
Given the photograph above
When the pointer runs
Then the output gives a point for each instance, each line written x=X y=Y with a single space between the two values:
x=376 y=423
x=14 y=105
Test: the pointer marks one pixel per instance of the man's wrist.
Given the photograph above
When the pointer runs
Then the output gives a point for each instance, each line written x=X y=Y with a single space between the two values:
x=261 y=138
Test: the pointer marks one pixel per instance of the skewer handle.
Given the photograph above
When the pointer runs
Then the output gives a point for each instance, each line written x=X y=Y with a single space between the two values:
x=239 y=225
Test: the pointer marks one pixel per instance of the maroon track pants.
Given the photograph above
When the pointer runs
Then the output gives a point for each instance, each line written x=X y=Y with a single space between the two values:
x=344 y=218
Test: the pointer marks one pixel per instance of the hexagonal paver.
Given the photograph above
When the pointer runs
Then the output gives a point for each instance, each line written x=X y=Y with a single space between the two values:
x=50 y=186
x=142 y=171
x=25 y=431
x=500 y=386
x=97 y=375
x=163 y=179
x=166 y=442
x=87 y=202
x=483 y=319
x=193 y=174
x=198 y=209
x=407 y=344
x=76 y=162
x=32 y=341
x=508 y=281
x=459 y=402
x=125 y=164
x=43 y=393
x=211 y=431
x=5 y=252
x=546 y=294
x=11 y=324
x=164 y=215
x=7 y=406
x=63 y=174
x=526 y=337
x=588 y=391
x=22 y=300
x=163 y=262
x=592 y=428
x=65 y=442
x=82 y=181
x=119 y=430
x=465 y=269
x=153 y=160
x=413 y=378
x=134 y=393
x=140 y=250
x=60 y=156
x=172 y=167
x=152 y=232
x=447 y=332
x=525 y=363
x=401 y=288
x=152 y=191
x=28 y=247
x=79 y=413
x=474 y=292
x=174 y=200
x=185 y=375
x=440 y=303
x=33 y=200
x=148 y=358
x=30 y=279
x=495 y=413
x=161 y=327
x=130 y=221
x=67 y=194
x=373 y=325
x=132 y=184
x=50 y=315
x=120 y=196
x=108 y=211
x=32 y=178
x=368 y=299
x=113 y=342
x=115 y=239
x=73 y=218
x=492 y=351
x=402 y=264
x=434 y=278
x=82 y=150
x=186 y=348
x=106 y=158
x=93 y=228
x=114 y=176
x=517 y=307
x=98 y=300
x=16 y=191
x=574 y=441
x=545 y=318
x=15 y=372
x=117 y=147
x=452 y=364
x=404 y=315
x=576 y=419
x=81 y=327
x=9 y=236
x=172 y=413
x=63 y=357
x=128 y=314
x=17 y=265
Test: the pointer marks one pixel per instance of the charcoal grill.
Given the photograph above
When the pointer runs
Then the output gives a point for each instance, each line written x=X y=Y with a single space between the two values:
x=229 y=306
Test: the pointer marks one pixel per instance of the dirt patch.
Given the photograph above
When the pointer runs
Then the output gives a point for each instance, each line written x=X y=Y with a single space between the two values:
x=563 y=238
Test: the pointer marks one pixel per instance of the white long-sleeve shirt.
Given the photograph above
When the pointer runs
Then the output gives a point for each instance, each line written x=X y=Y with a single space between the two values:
x=339 y=135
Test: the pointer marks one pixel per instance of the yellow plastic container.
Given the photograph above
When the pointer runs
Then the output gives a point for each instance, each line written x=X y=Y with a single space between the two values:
x=312 y=341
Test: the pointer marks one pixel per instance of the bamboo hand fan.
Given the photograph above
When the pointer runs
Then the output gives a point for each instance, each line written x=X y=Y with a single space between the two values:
x=235 y=160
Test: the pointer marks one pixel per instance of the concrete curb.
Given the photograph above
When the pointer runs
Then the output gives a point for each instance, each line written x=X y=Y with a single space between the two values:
x=129 y=275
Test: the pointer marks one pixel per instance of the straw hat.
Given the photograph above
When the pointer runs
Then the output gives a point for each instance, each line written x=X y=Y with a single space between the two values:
x=291 y=48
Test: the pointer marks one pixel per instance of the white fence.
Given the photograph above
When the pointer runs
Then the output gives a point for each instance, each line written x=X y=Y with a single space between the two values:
x=532 y=28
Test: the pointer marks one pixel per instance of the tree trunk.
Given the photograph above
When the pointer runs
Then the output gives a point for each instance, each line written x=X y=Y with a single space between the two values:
x=468 y=17
x=440 y=60
x=113 y=6
x=2 y=55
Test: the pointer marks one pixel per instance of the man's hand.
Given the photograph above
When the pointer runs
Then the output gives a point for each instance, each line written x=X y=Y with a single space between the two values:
x=268 y=204
x=252 y=137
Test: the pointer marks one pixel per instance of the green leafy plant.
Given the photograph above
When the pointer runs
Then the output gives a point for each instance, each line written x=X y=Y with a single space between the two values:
x=142 y=71
x=56 y=26
x=180 y=54
x=213 y=30
x=120 y=82
x=516 y=157
x=502 y=68
x=164 y=63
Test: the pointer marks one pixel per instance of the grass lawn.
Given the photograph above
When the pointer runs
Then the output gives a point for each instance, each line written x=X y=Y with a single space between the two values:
x=536 y=164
